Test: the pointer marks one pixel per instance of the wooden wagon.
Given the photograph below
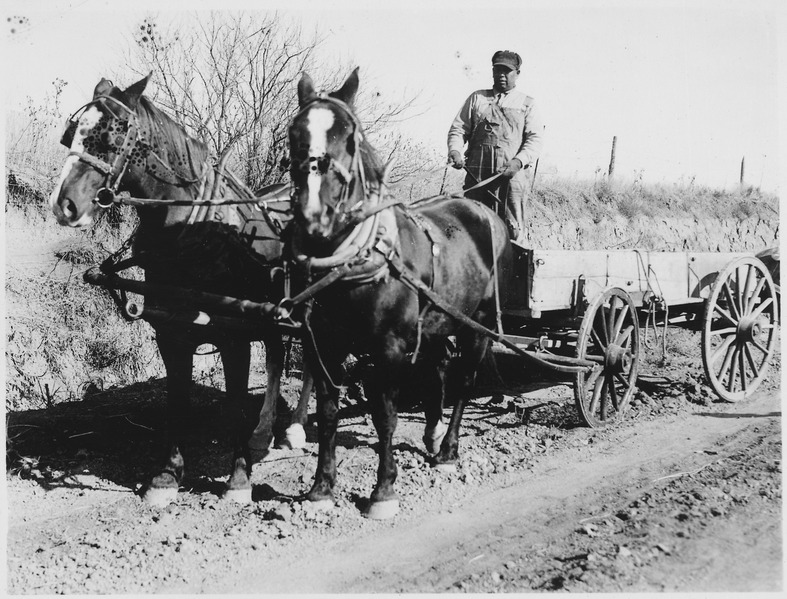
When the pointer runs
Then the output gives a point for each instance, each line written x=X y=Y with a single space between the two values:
x=591 y=305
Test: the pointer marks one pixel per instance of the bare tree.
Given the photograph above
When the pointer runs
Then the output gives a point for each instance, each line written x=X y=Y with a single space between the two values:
x=231 y=79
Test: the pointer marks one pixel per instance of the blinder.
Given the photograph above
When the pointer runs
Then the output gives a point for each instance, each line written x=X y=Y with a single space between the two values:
x=68 y=134
x=71 y=127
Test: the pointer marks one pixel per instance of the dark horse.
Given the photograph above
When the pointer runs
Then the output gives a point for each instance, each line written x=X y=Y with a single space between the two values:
x=388 y=264
x=121 y=142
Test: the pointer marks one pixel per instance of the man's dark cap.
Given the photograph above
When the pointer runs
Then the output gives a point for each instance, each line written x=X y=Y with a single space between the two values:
x=507 y=58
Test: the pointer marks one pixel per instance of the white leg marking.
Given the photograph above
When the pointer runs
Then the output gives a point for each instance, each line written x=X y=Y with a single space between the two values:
x=320 y=120
x=296 y=436
x=434 y=437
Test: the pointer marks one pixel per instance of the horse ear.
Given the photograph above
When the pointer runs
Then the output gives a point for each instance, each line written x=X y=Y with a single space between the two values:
x=134 y=91
x=102 y=88
x=305 y=90
x=347 y=92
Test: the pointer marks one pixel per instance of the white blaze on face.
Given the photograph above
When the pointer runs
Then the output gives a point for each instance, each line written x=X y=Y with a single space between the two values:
x=87 y=121
x=320 y=120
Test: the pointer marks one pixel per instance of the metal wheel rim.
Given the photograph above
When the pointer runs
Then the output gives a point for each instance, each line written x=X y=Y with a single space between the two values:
x=603 y=395
x=739 y=329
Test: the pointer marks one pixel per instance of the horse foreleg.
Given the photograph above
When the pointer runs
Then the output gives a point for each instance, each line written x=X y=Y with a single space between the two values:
x=177 y=355
x=321 y=493
x=296 y=432
x=262 y=436
x=236 y=358
x=382 y=389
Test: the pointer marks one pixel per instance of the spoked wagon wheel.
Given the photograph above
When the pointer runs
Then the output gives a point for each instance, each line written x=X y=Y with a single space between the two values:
x=739 y=329
x=609 y=336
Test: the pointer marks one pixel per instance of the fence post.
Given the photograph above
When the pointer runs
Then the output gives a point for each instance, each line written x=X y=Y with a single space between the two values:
x=612 y=157
x=743 y=167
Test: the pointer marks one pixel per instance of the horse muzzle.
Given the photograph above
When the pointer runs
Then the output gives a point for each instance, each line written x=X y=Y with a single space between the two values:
x=319 y=226
x=69 y=214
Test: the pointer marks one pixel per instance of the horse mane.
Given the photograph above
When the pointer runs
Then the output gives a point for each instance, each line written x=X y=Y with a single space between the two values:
x=170 y=141
x=370 y=160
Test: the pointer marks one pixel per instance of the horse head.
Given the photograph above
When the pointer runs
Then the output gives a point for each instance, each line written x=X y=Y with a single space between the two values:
x=101 y=137
x=331 y=162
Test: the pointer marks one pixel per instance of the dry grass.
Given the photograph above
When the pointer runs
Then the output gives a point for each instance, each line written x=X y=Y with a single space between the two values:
x=573 y=199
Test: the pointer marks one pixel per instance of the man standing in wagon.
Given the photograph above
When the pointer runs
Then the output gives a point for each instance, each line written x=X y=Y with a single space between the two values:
x=504 y=134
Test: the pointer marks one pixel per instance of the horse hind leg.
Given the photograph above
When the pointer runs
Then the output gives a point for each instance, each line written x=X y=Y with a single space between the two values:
x=472 y=350
x=295 y=436
x=432 y=381
x=262 y=436
x=177 y=355
x=236 y=357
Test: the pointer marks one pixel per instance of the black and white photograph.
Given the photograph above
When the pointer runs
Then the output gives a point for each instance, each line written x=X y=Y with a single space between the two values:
x=393 y=297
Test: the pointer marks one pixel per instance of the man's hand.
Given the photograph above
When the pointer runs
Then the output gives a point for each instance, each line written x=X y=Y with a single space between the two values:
x=455 y=159
x=510 y=168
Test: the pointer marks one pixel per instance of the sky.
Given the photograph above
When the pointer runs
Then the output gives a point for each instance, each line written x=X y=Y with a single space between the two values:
x=688 y=88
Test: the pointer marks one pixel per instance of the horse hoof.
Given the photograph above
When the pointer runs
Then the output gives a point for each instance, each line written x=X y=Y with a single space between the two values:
x=442 y=467
x=242 y=496
x=160 y=496
x=295 y=437
x=382 y=510
x=434 y=437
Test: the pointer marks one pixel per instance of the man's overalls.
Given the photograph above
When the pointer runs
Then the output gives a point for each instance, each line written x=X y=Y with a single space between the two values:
x=495 y=140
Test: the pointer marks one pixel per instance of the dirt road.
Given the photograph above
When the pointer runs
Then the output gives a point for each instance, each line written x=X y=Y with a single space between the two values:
x=540 y=525
x=685 y=495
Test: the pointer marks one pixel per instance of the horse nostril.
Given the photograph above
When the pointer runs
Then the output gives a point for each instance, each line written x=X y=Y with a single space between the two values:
x=69 y=208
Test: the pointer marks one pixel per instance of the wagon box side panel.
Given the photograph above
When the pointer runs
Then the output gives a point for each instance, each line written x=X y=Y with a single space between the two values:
x=556 y=275
x=704 y=267
x=562 y=279
x=568 y=279
x=667 y=275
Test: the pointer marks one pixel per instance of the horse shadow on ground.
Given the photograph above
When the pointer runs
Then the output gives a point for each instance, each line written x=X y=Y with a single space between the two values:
x=118 y=435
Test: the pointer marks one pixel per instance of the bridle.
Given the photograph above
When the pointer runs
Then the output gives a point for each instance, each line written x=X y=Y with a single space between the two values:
x=324 y=163
x=113 y=173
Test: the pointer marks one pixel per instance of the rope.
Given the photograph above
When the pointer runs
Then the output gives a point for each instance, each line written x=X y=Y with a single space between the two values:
x=656 y=299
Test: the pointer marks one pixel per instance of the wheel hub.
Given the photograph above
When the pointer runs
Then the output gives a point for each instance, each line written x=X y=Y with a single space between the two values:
x=617 y=358
x=749 y=329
